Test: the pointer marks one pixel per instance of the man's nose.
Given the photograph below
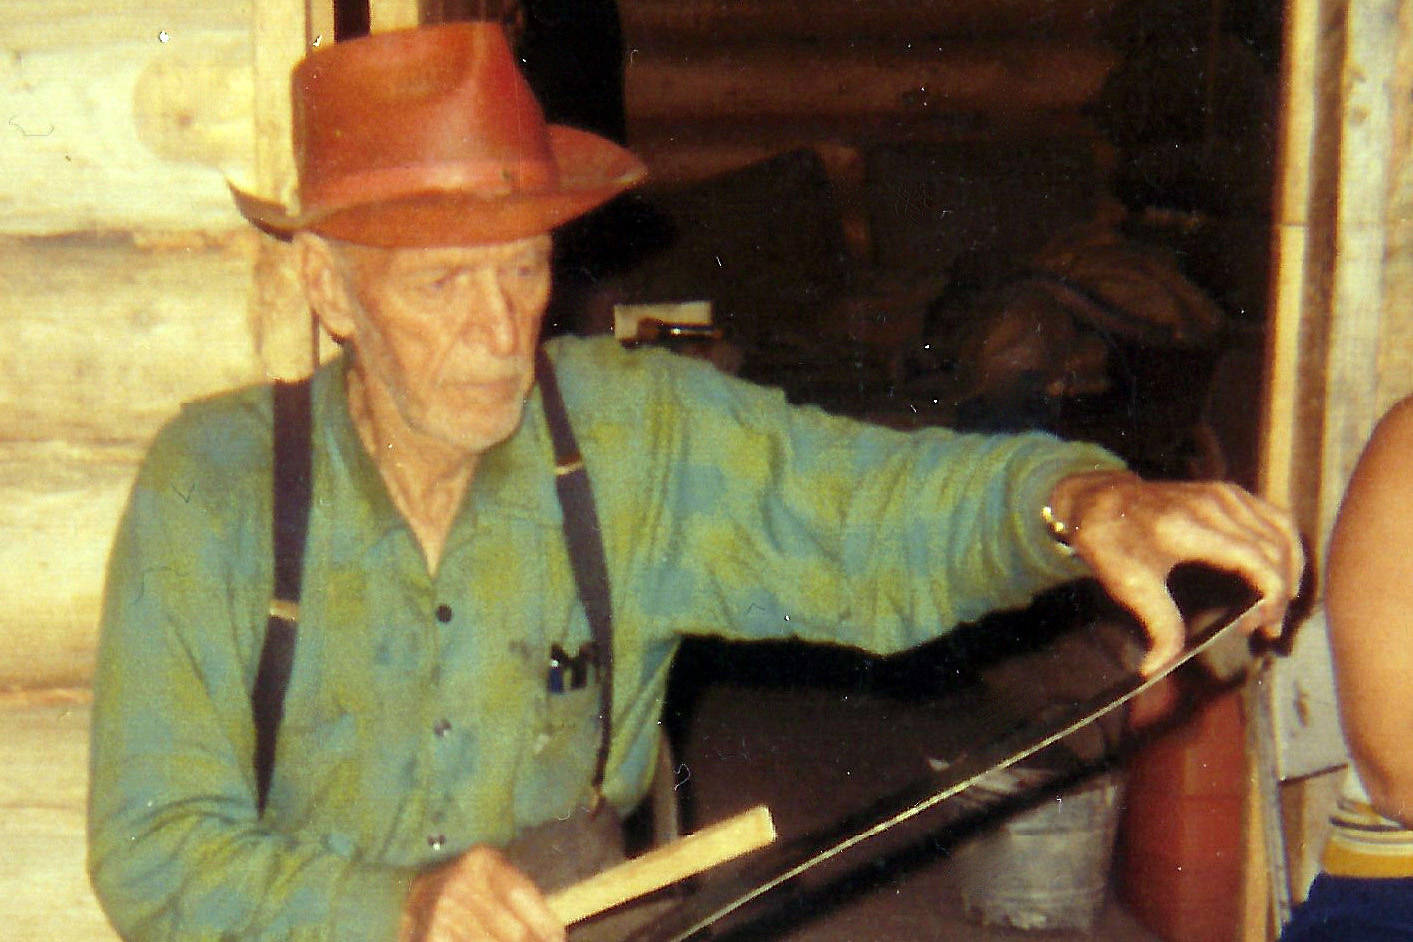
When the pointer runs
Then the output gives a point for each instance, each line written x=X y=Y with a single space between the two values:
x=487 y=316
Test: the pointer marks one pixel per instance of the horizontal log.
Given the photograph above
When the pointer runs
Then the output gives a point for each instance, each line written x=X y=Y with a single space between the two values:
x=118 y=116
x=102 y=339
x=678 y=152
x=44 y=889
x=59 y=508
x=138 y=127
x=1000 y=77
x=733 y=20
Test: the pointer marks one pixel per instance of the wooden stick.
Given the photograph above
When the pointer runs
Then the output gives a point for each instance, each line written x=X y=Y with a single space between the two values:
x=662 y=867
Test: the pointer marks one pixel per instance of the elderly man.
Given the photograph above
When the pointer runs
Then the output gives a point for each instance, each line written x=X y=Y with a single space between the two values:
x=448 y=694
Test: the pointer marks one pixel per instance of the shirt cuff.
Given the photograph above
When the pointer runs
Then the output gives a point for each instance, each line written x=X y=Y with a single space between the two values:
x=1037 y=534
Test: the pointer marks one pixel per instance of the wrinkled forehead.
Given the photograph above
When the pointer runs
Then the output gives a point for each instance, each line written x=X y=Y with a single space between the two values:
x=371 y=261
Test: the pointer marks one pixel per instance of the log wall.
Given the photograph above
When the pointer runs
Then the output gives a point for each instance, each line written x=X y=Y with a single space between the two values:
x=128 y=285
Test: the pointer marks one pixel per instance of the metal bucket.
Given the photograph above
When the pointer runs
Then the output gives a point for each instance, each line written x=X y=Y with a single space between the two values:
x=1047 y=867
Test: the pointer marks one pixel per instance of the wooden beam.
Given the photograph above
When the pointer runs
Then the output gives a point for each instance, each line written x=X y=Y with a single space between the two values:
x=1361 y=241
x=1290 y=466
x=125 y=129
x=650 y=21
x=44 y=889
x=1291 y=235
x=1004 y=76
x=384 y=15
x=319 y=27
x=101 y=340
x=283 y=33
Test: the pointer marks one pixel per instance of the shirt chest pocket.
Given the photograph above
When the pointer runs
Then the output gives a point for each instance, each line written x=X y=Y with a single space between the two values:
x=557 y=772
x=569 y=700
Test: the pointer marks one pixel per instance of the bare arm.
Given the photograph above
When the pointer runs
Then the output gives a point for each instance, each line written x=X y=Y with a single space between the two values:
x=1369 y=598
x=1133 y=532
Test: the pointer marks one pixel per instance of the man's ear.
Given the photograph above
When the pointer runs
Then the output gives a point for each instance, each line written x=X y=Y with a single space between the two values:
x=325 y=281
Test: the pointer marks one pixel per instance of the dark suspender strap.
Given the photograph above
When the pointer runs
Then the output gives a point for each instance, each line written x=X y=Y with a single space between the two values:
x=585 y=543
x=291 y=486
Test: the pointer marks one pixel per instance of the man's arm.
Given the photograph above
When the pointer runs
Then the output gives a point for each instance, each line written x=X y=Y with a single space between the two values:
x=967 y=509
x=176 y=847
x=1133 y=532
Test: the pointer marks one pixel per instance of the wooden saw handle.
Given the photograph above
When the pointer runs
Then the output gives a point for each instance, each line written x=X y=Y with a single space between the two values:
x=664 y=866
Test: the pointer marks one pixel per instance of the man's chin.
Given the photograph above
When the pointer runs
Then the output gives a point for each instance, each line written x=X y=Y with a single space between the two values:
x=483 y=434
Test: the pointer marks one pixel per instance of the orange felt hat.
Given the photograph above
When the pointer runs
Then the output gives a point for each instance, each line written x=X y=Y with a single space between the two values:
x=430 y=136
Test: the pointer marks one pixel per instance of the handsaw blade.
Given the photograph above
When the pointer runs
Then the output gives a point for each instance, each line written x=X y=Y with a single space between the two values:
x=1217 y=637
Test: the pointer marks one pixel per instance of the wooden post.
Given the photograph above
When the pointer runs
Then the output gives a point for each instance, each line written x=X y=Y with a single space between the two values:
x=1288 y=447
x=285 y=337
x=1341 y=340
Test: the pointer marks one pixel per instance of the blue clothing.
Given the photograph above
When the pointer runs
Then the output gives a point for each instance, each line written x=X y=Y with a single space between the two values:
x=1354 y=909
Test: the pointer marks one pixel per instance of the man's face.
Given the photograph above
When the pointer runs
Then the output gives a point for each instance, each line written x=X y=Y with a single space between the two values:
x=449 y=333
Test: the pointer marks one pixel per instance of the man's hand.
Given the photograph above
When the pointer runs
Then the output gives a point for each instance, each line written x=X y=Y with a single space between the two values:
x=1133 y=532
x=478 y=897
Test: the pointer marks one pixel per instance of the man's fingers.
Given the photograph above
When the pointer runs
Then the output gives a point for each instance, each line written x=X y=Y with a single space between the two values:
x=1145 y=595
x=525 y=902
x=1229 y=529
x=1166 y=635
x=481 y=897
x=1271 y=529
x=509 y=906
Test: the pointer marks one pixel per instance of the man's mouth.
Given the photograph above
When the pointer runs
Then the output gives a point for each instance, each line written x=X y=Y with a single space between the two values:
x=481 y=383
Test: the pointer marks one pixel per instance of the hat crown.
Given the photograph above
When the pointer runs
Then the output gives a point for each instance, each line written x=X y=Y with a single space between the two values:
x=435 y=108
x=430 y=136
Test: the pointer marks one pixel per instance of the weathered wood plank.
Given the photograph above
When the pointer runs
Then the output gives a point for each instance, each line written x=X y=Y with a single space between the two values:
x=1003 y=76
x=44 y=889
x=1291 y=235
x=1366 y=148
x=284 y=31
x=118 y=116
x=101 y=339
x=384 y=15
x=59 y=508
x=1395 y=364
x=731 y=20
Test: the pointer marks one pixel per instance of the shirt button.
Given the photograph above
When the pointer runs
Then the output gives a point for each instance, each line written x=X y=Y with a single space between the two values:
x=444 y=613
x=436 y=841
x=441 y=728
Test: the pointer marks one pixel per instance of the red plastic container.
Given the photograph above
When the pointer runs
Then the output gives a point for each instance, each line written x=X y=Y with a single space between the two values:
x=1182 y=840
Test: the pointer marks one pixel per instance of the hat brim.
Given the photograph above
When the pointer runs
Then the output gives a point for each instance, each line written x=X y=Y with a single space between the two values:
x=592 y=170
